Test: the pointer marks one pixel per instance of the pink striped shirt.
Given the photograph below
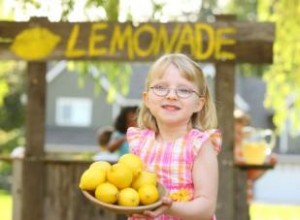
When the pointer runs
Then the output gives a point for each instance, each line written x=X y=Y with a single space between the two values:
x=172 y=161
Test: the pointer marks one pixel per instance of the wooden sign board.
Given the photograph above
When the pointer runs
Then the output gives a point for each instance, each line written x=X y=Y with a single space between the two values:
x=40 y=40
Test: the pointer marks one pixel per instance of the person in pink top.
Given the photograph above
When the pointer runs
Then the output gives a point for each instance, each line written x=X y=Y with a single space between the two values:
x=177 y=139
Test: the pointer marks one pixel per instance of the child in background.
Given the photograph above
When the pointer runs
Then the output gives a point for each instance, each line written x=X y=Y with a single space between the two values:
x=103 y=138
x=241 y=120
x=125 y=119
x=177 y=138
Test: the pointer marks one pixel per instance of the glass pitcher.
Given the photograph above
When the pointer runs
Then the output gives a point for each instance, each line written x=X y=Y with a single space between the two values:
x=257 y=145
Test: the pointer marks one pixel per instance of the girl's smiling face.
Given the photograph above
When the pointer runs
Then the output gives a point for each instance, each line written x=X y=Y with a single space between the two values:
x=171 y=110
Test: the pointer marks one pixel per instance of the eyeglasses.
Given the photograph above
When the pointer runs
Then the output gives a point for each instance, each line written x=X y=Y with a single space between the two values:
x=163 y=91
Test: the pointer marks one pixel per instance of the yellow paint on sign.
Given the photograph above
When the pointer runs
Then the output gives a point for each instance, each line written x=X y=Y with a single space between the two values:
x=96 y=39
x=201 y=40
x=71 y=51
x=120 y=39
x=34 y=43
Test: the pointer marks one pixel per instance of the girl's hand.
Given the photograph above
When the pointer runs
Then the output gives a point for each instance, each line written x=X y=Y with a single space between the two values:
x=167 y=203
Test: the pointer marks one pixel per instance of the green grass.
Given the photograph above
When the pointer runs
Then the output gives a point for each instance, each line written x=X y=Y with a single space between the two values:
x=6 y=205
x=258 y=211
x=261 y=211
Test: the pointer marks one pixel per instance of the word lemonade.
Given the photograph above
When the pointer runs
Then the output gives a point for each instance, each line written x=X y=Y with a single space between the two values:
x=147 y=40
x=125 y=183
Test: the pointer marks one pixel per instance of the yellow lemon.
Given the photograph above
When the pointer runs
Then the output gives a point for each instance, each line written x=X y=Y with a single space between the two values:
x=128 y=197
x=133 y=162
x=120 y=175
x=144 y=178
x=104 y=165
x=91 y=178
x=107 y=192
x=148 y=194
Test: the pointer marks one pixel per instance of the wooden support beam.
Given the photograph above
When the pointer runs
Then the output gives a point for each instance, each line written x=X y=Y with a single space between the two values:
x=33 y=178
x=232 y=201
x=224 y=92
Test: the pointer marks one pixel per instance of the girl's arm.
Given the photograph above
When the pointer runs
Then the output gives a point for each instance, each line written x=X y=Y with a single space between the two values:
x=205 y=178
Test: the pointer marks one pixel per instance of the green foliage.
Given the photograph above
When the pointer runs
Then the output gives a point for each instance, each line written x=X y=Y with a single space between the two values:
x=118 y=75
x=110 y=6
x=244 y=10
x=8 y=141
x=11 y=107
x=283 y=77
x=248 y=70
x=3 y=89
x=11 y=113
x=5 y=171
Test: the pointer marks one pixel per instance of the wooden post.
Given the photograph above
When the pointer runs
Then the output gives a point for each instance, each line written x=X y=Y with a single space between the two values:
x=224 y=91
x=241 y=205
x=33 y=179
x=17 y=188
x=232 y=201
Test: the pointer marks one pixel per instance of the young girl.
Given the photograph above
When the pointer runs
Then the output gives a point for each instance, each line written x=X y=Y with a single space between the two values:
x=177 y=139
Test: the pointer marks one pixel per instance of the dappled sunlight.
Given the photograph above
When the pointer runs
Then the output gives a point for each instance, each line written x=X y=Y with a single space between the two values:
x=266 y=211
x=6 y=205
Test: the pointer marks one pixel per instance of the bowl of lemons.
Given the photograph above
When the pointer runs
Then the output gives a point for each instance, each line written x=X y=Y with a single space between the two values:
x=125 y=187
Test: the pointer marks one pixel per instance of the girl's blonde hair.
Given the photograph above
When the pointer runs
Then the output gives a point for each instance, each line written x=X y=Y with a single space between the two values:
x=190 y=70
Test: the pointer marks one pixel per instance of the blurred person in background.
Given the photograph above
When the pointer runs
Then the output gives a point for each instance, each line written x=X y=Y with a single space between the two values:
x=242 y=120
x=103 y=138
x=125 y=119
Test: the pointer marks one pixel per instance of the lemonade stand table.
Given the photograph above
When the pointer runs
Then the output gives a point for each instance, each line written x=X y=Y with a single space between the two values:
x=255 y=166
x=62 y=196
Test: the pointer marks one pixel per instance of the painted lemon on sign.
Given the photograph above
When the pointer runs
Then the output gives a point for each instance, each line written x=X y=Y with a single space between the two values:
x=34 y=43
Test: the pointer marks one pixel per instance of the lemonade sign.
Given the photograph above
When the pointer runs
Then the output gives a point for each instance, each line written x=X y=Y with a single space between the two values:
x=233 y=41
x=202 y=40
